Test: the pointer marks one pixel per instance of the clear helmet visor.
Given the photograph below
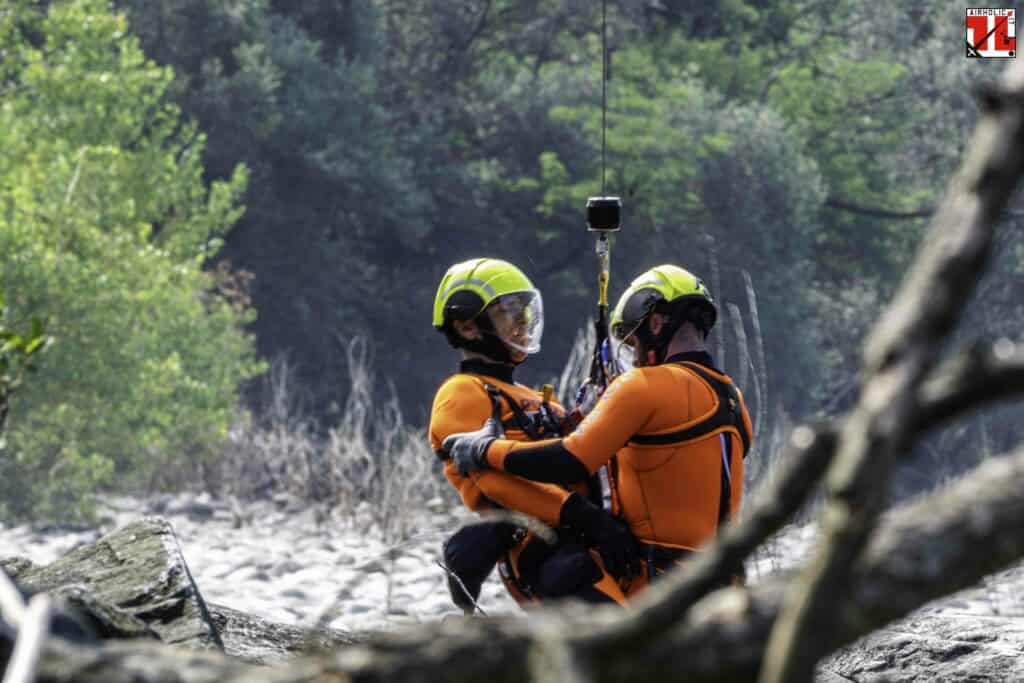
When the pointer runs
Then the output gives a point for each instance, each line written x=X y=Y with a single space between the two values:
x=625 y=346
x=625 y=355
x=518 y=320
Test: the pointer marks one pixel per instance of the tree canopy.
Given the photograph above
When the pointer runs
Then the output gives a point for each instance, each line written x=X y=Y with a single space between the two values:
x=387 y=140
x=788 y=152
x=105 y=224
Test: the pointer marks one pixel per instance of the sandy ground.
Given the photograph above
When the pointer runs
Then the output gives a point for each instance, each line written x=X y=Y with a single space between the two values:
x=288 y=563
x=297 y=565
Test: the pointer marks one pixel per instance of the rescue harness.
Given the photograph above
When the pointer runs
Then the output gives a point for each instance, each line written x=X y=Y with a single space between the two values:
x=542 y=424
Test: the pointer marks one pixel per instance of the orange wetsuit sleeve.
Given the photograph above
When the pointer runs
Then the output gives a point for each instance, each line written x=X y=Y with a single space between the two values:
x=462 y=405
x=623 y=410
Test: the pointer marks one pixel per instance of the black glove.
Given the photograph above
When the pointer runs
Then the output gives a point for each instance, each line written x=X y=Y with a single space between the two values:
x=618 y=548
x=469 y=449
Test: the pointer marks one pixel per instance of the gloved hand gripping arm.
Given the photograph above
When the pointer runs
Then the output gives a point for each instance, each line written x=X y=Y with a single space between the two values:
x=544 y=461
x=621 y=412
x=469 y=449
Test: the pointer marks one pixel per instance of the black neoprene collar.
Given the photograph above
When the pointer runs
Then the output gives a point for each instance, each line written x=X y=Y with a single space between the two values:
x=478 y=366
x=700 y=357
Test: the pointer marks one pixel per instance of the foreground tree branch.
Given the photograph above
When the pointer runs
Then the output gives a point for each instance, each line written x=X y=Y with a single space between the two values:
x=976 y=377
x=898 y=356
x=921 y=551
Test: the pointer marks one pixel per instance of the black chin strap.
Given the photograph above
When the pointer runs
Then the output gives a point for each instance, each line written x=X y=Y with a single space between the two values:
x=490 y=343
x=658 y=343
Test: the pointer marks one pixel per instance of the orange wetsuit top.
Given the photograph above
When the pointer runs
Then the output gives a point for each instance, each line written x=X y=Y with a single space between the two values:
x=680 y=473
x=462 y=404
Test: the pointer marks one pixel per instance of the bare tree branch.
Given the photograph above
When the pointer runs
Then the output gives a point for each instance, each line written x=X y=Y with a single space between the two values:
x=898 y=356
x=921 y=551
x=978 y=376
x=970 y=380
x=877 y=212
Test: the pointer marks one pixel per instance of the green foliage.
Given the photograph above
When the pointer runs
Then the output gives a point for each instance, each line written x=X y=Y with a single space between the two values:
x=17 y=347
x=105 y=222
x=336 y=200
x=388 y=139
x=708 y=183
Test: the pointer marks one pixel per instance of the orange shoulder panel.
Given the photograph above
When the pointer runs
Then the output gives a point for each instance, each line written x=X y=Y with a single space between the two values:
x=625 y=408
x=461 y=405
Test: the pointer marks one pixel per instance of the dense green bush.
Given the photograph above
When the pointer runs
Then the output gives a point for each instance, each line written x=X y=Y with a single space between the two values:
x=18 y=345
x=105 y=222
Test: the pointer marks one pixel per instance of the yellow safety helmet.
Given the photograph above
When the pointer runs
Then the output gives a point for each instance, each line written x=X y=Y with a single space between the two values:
x=515 y=308
x=665 y=287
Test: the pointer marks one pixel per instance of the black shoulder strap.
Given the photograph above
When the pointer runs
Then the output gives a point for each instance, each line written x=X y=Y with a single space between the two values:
x=521 y=420
x=729 y=413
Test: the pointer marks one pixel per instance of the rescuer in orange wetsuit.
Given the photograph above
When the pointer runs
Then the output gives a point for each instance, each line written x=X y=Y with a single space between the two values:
x=674 y=429
x=489 y=310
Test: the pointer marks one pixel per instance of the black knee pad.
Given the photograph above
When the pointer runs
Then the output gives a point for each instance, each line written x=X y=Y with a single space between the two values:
x=567 y=572
x=471 y=553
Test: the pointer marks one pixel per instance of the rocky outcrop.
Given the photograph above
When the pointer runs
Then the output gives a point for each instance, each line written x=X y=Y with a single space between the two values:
x=139 y=572
x=939 y=643
x=134 y=583
x=262 y=641
x=14 y=566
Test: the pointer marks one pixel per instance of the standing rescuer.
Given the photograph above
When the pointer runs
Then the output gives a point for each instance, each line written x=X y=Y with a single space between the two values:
x=490 y=311
x=684 y=425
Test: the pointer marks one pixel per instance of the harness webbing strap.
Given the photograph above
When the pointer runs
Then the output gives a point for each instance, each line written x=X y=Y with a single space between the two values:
x=727 y=415
x=493 y=392
x=521 y=420
x=725 y=499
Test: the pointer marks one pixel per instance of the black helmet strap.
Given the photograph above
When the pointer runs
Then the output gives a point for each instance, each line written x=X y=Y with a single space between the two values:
x=654 y=345
x=468 y=305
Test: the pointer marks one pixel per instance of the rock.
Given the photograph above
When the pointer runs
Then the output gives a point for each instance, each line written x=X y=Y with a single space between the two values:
x=142 y=662
x=138 y=571
x=14 y=566
x=371 y=566
x=135 y=584
x=287 y=566
x=79 y=618
x=102 y=620
x=263 y=641
x=937 y=646
x=195 y=510
x=157 y=504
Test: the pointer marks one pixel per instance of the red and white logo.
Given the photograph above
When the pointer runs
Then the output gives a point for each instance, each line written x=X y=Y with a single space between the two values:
x=991 y=32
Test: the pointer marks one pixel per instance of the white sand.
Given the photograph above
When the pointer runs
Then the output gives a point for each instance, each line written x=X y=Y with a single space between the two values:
x=283 y=564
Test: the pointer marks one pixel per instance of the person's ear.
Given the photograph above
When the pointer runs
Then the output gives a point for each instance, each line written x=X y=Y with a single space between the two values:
x=467 y=329
x=655 y=321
